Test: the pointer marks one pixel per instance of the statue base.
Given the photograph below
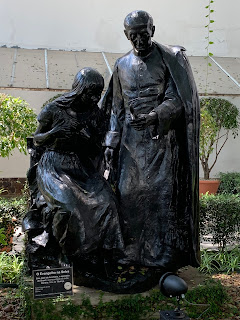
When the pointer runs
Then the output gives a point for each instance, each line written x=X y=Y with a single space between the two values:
x=121 y=280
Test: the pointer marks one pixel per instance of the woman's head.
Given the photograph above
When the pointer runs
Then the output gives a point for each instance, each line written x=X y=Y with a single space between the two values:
x=87 y=86
x=88 y=83
x=87 y=78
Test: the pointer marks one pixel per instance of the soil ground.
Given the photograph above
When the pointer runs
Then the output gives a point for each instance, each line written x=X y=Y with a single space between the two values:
x=230 y=281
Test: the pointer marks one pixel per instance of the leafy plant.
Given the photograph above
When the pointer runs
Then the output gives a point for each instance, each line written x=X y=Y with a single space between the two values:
x=219 y=117
x=229 y=260
x=220 y=261
x=220 y=218
x=17 y=122
x=12 y=207
x=2 y=190
x=208 y=26
x=10 y=267
x=230 y=182
x=2 y=237
x=208 y=262
x=11 y=213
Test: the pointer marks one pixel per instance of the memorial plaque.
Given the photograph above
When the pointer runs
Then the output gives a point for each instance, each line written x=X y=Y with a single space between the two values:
x=50 y=283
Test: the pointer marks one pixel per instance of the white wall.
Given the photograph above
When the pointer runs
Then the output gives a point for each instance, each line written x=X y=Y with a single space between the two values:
x=98 y=25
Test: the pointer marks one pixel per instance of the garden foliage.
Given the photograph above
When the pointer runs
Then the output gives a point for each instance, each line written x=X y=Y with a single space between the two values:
x=220 y=218
x=10 y=267
x=229 y=183
x=219 y=118
x=2 y=237
x=11 y=213
x=134 y=307
x=220 y=261
x=17 y=122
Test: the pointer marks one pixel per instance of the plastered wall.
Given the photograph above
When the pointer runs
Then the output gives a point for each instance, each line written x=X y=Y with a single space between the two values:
x=95 y=25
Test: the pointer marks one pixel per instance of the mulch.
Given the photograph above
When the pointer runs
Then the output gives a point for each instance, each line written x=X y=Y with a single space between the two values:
x=232 y=283
x=10 y=305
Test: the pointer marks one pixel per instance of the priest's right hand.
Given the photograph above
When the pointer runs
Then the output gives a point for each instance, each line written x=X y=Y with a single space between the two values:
x=108 y=156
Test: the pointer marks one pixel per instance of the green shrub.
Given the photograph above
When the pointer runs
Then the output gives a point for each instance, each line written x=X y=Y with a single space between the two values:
x=230 y=182
x=220 y=217
x=3 y=237
x=10 y=267
x=17 y=122
x=11 y=213
x=14 y=207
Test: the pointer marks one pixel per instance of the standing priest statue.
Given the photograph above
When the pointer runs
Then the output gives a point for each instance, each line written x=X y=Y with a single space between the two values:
x=152 y=147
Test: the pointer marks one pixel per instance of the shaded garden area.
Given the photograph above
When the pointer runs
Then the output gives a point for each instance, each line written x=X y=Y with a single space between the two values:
x=214 y=287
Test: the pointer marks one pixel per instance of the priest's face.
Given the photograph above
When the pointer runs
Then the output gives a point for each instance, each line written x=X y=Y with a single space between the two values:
x=140 y=36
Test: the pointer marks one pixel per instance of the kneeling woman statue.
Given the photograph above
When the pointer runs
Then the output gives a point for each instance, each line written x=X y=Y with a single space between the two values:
x=71 y=129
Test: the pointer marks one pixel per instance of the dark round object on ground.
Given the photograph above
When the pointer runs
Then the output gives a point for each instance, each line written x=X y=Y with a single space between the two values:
x=172 y=286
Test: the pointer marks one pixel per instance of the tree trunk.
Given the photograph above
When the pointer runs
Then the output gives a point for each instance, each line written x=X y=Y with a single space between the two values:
x=206 y=174
x=206 y=170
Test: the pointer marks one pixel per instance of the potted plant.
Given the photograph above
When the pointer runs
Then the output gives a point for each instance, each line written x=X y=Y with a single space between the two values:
x=219 y=118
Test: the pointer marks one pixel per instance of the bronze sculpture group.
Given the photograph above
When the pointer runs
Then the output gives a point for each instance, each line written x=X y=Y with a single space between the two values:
x=145 y=217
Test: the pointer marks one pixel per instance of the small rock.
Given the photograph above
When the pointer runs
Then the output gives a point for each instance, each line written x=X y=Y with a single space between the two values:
x=8 y=308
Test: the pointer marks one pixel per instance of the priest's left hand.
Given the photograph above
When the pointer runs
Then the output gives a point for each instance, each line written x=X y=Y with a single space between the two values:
x=142 y=121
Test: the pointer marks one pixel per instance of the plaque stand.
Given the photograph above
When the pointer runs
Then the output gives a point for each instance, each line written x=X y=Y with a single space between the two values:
x=173 y=315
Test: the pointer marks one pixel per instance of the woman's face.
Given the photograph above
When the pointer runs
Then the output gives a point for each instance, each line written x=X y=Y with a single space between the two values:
x=91 y=96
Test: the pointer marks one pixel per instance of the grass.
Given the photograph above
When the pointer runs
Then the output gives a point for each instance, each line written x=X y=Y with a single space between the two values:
x=209 y=298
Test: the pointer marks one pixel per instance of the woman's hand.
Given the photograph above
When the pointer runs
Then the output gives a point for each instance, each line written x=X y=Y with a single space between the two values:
x=62 y=130
x=65 y=129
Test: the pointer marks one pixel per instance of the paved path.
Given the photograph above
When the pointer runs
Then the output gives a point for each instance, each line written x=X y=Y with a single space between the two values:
x=18 y=240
